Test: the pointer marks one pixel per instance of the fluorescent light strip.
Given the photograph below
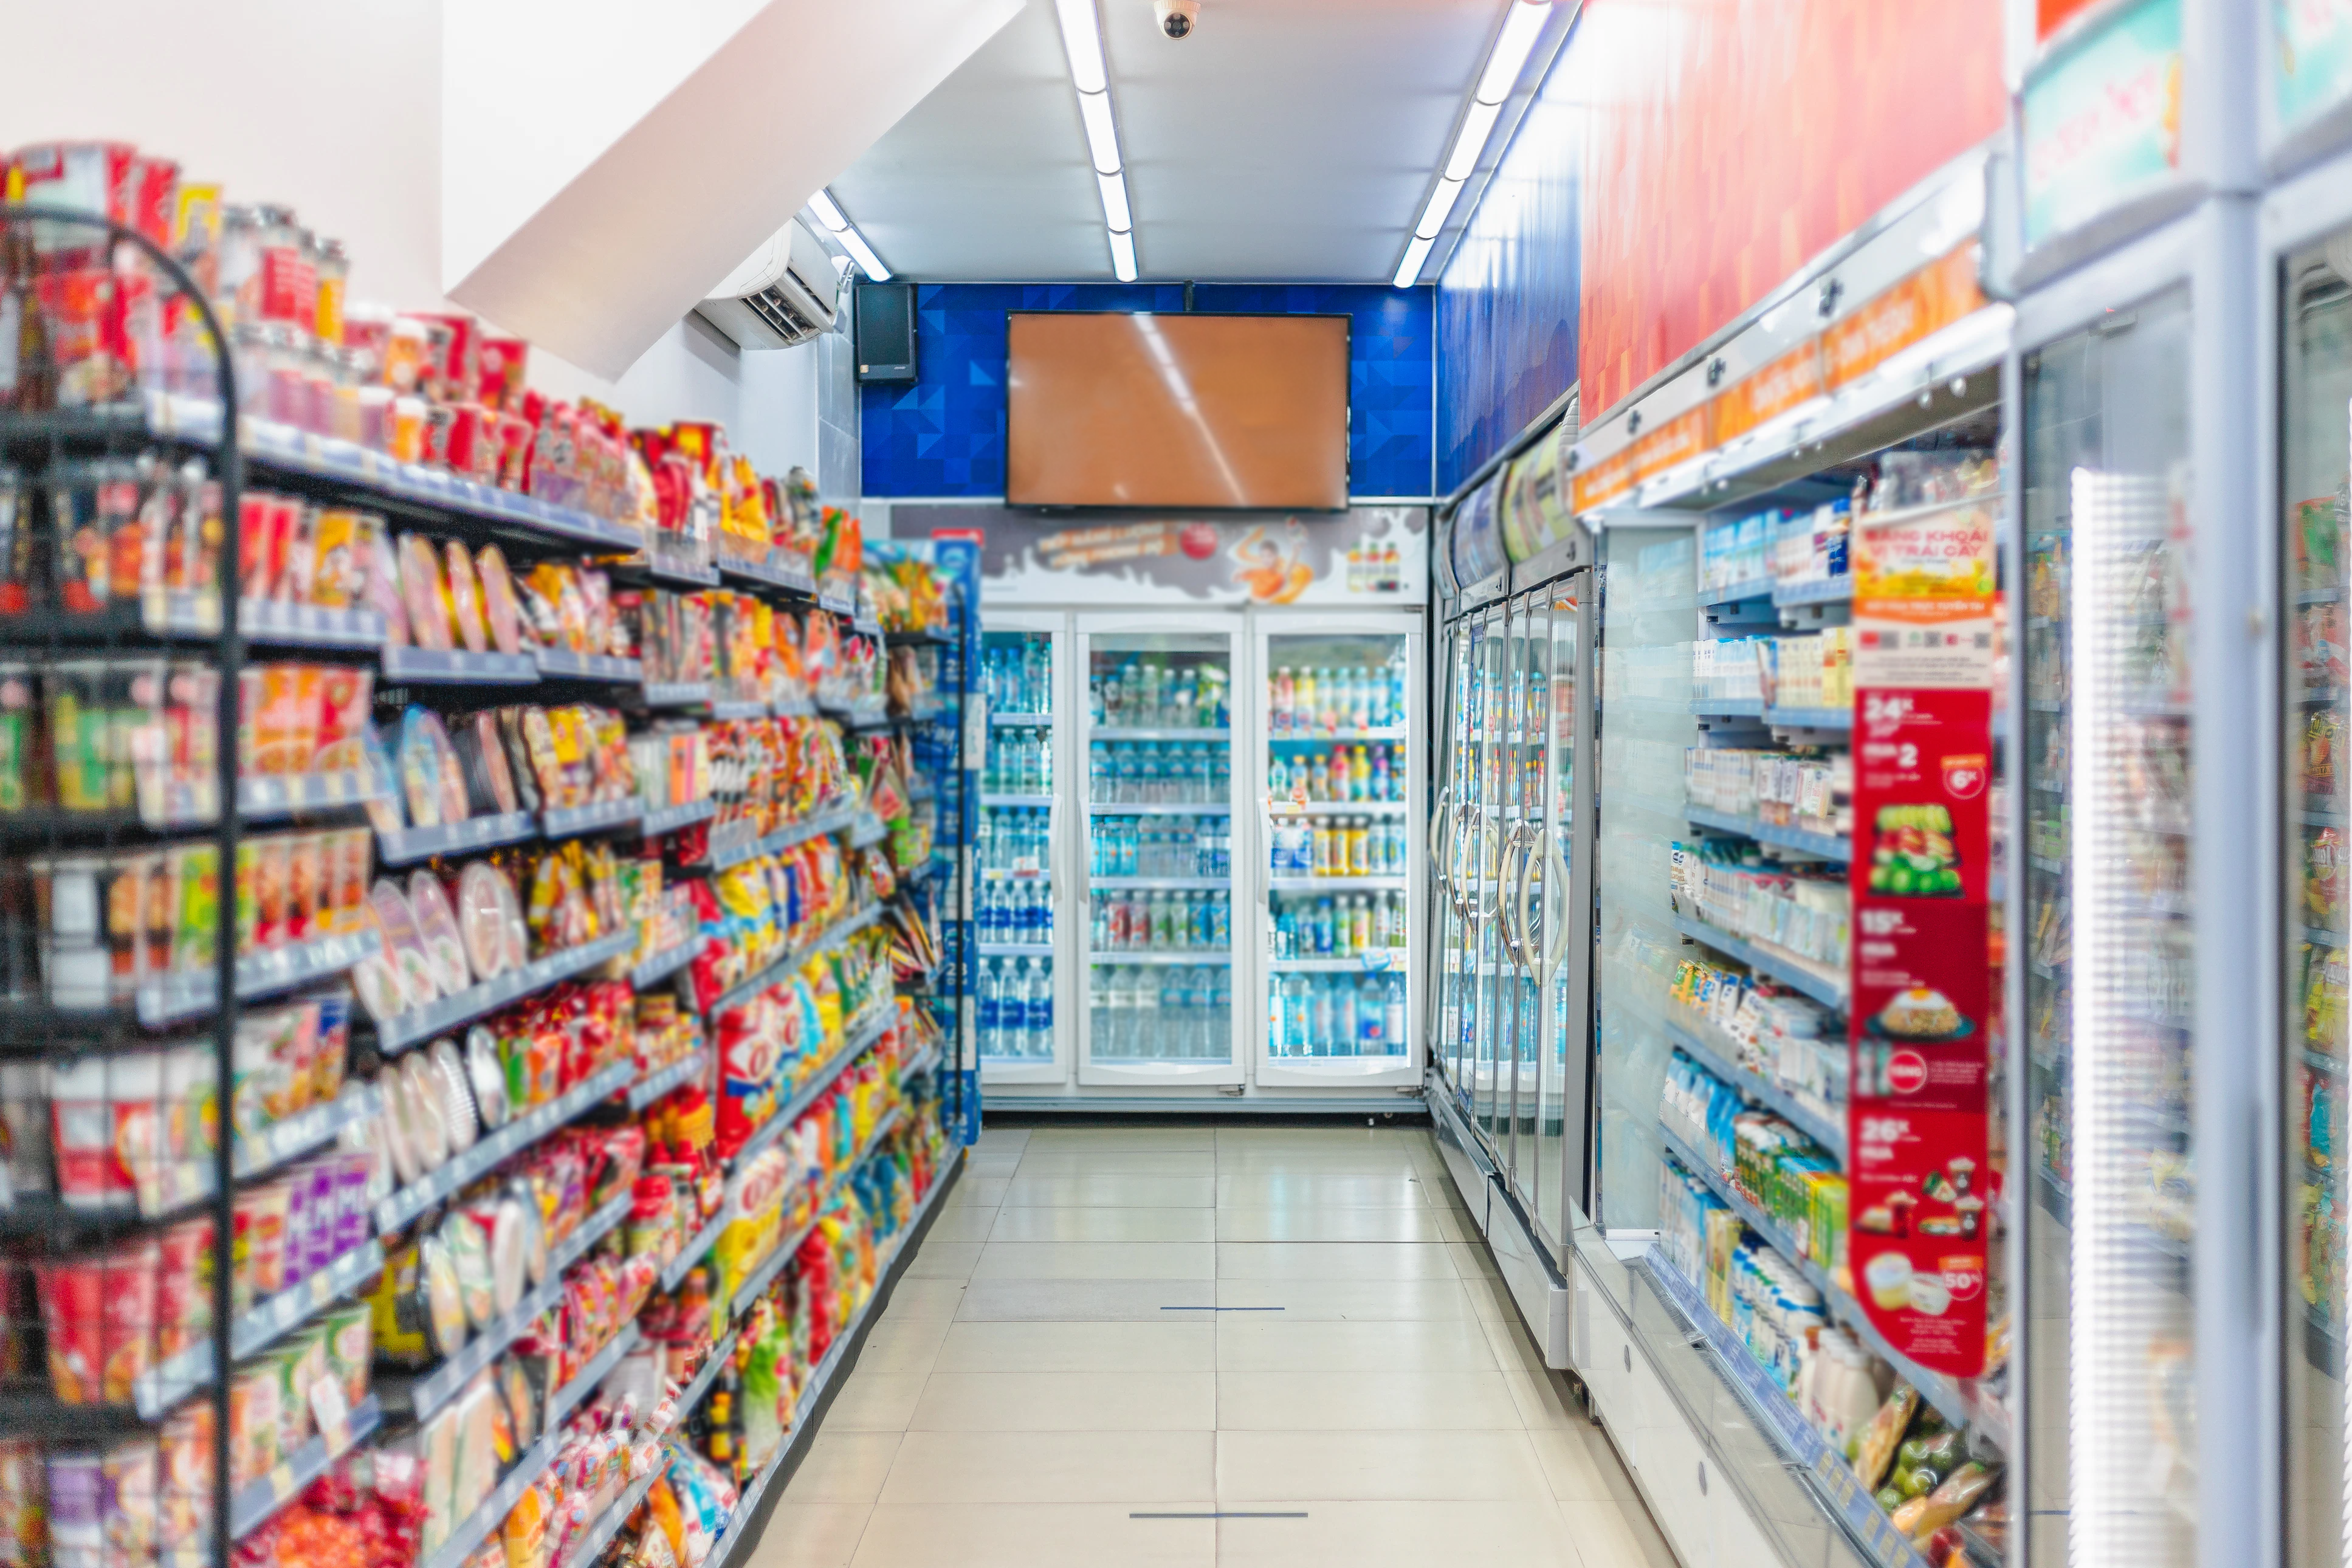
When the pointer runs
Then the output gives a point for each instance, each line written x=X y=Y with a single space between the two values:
x=1116 y=217
x=1522 y=24
x=1102 y=132
x=1082 y=41
x=1409 y=273
x=845 y=235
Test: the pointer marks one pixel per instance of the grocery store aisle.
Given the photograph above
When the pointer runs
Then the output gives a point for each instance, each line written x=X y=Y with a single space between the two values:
x=1051 y=1369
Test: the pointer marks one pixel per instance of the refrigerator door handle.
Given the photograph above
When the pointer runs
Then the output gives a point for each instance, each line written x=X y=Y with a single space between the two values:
x=1053 y=854
x=1556 y=932
x=1464 y=813
x=1512 y=867
x=1436 y=860
x=1265 y=858
x=1533 y=957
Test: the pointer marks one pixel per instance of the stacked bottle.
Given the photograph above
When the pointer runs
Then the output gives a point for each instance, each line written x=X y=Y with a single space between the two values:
x=1162 y=846
x=1349 y=925
x=1017 y=673
x=1171 y=1013
x=1153 y=692
x=1157 y=772
x=1337 y=1016
x=1345 y=774
x=1015 y=1008
x=1336 y=847
x=1020 y=762
x=1159 y=921
x=1311 y=699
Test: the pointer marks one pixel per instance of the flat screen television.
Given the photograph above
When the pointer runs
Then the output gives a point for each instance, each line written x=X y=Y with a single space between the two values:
x=1197 y=411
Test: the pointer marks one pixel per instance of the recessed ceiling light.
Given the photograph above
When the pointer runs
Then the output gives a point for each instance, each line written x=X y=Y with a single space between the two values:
x=1523 y=25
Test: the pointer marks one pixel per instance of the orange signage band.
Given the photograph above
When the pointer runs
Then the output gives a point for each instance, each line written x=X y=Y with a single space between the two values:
x=1795 y=377
x=1920 y=306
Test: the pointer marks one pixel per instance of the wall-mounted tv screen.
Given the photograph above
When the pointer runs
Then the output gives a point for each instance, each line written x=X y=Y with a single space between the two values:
x=1147 y=410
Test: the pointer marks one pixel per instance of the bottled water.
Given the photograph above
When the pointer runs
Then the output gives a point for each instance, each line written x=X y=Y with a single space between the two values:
x=1145 y=988
x=1038 y=990
x=1392 y=1012
x=991 y=1008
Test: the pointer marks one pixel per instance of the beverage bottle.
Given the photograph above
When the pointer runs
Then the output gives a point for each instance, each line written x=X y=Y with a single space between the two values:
x=1123 y=774
x=1383 y=921
x=1284 y=931
x=1044 y=761
x=1371 y=1019
x=1326 y=856
x=1392 y=1012
x=1320 y=1027
x=1322 y=928
x=1343 y=1014
x=1221 y=922
x=1221 y=1013
x=1148 y=697
x=1303 y=712
x=1359 y=700
x=1318 y=778
x=1361 y=785
x=1041 y=1011
x=1040 y=696
x=1131 y=845
x=1101 y=1019
x=1381 y=779
x=1360 y=931
x=1175 y=1014
x=991 y=1010
x=1118 y=1020
x=1099 y=773
x=1359 y=849
x=1099 y=923
x=984 y=841
x=1180 y=706
x=1294 y=1012
x=1146 y=991
x=1277 y=701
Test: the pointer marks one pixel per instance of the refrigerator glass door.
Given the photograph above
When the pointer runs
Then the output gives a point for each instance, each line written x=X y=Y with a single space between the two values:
x=1019 y=991
x=1335 y=696
x=1519 y=1093
x=2109 y=1207
x=1158 y=849
x=2315 y=427
x=1484 y=841
x=1552 y=925
x=1450 y=1033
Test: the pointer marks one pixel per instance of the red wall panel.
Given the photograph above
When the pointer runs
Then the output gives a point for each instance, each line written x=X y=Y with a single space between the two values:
x=1730 y=141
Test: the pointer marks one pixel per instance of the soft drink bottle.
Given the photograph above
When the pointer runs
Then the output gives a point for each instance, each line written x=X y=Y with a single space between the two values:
x=1221 y=922
x=1381 y=779
x=1279 y=701
x=1302 y=710
x=1319 y=1026
x=1371 y=1020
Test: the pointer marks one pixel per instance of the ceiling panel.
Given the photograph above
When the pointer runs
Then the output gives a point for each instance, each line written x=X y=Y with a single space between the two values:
x=1285 y=140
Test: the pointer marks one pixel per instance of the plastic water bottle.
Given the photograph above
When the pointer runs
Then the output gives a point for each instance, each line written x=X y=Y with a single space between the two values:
x=1040 y=1010
x=1392 y=1012
x=1220 y=1015
x=991 y=1008
x=1371 y=1019
x=1145 y=988
x=1174 y=1029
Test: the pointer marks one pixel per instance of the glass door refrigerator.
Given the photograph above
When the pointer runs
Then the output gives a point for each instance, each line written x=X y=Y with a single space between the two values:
x=2109 y=1450
x=1469 y=858
x=2314 y=478
x=1020 y=909
x=1337 y=906
x=1155 y=741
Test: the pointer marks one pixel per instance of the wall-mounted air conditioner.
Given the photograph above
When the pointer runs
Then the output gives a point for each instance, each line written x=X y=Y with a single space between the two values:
x=786 y=292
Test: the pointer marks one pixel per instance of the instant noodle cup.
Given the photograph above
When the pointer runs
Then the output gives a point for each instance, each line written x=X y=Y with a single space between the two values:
x=106 y=1131
x=422 y=594
x=256 y=1422
x=403 y=945
x=437 y=925
x=98 y=1313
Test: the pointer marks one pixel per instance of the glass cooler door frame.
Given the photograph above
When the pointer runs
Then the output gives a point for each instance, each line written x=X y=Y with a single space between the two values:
x=1229 y=625
x=1331 y=1072
x=1448 y=988
x=1068 y=996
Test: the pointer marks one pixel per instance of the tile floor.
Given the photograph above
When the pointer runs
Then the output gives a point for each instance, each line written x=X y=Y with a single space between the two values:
x=1045 y=1373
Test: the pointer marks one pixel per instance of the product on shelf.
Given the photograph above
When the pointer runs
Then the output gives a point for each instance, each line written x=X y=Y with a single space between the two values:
x=1345 y=925
x=1345 y=774
x=1337 y=846
x=1160 y=691
x=1810 y=792
x=1158 y=921
x=1308 y=700
x=1787 y=1039
x=1803 y=913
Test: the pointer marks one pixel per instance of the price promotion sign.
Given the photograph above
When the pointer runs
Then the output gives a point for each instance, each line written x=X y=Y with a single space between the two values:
x=1922 y=994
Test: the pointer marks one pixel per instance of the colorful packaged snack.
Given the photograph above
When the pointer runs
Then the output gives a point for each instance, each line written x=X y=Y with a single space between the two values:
x=469 y=1254
x=488 y=1077
x=423 y=595
x=504 y=616
x=403 y=944
x=499 y=777
x=465 y=598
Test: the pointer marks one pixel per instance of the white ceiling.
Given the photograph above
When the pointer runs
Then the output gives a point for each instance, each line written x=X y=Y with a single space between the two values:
x=1285 y=140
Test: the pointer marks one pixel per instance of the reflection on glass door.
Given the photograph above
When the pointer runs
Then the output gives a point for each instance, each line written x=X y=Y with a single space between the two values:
x=2315 y=478
x=1485 y=839
x=1455 y=964
x=1158 y=792
x=1014 y=1002
x=2109 y=1231
x=1334 y=708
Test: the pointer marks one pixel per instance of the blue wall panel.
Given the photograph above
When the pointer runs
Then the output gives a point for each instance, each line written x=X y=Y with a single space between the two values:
x=944 y=434
x=1507 y=301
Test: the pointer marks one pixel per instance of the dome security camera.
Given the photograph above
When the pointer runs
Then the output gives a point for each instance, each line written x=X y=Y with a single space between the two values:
x=1177 y=17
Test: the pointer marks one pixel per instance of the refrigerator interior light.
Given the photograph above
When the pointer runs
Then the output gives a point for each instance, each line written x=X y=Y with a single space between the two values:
x=1102 y=132
x=1122 y=255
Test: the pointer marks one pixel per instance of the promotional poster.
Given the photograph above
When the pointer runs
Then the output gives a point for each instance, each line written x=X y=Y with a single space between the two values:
x=1923 y=1005
x=1366 y=557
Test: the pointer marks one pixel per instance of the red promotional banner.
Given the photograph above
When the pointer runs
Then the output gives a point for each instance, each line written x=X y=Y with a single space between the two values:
x=1922 y=1001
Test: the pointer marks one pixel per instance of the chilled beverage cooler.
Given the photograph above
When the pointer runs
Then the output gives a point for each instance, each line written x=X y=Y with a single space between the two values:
x=1157 y=794
x=1015 y=896
x=1336 y=896
x=1201 y=862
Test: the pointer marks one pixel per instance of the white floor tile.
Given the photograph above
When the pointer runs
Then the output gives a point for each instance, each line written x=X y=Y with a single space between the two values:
x=1185 y=1345
x=1033 y=1535
x=1067 y=1402
x=1097 y=1260
x=1372 y=1467
x=994 y=1466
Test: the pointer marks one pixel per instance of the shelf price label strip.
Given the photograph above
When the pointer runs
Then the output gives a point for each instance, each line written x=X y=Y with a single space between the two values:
x=1946 y=1394
x=413 y=844
x=1787 y=1429
x=826 y=941
x=1824 y=845
x=496 y=1148
x=257 y=1500
x=488 y=995
x=820 y=1380
x=184 y=996
x=859 y=1041
x=492 y=1513
x=440 y=1385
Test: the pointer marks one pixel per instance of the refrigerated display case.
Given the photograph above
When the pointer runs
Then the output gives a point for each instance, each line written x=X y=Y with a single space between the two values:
x=1018 y=904
x=1160 y=798
x=1512 y=966
x=1335 y=911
